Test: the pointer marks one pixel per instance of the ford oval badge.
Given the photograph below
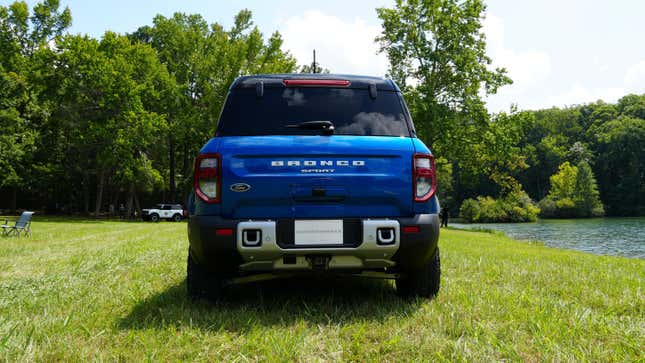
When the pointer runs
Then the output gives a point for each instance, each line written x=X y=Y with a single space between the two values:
x=240 y=187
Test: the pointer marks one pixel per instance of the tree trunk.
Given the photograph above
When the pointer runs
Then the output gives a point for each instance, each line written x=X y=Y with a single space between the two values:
x=172 y=166
x=99 y=193
x=86 y=194
x=187 y=165
x=136 y=204
x=114 y=201
x=128 y=208
x=187 y=170
x=14 y=197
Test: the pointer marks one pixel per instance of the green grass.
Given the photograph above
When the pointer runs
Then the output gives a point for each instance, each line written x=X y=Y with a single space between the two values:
x=91 y=290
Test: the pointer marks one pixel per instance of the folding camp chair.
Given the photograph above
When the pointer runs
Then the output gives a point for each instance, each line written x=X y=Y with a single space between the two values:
x=22 y=226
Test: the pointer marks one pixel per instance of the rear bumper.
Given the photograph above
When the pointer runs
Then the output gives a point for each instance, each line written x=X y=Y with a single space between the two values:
x=229 y=256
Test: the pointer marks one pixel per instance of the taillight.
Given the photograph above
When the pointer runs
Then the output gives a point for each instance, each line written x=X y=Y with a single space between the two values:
x=425 y=181
x=207 y=179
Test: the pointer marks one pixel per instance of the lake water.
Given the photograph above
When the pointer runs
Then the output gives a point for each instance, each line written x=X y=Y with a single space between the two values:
x=609 y=236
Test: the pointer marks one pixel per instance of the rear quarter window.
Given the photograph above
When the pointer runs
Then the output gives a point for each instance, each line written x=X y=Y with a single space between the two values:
x=352 y=111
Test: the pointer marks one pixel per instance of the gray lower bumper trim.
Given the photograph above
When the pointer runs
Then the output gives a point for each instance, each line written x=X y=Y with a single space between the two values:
x=268 y=255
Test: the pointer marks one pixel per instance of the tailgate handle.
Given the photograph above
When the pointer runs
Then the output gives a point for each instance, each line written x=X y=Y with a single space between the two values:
x=318 y=192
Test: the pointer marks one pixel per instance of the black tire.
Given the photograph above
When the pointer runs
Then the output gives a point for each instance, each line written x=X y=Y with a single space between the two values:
x=154 y=217
x=422 y=283
x=201 y=284
x=176 y=217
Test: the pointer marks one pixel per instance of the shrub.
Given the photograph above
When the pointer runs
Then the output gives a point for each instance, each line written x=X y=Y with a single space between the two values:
x=522 y=207
x=515 y=207
x=547 y=208
x=469 y=210
x=491 y=210
x=598 y=211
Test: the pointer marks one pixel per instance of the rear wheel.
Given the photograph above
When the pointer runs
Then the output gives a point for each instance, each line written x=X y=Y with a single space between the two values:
x=424 y=282
x=154 y=217
x=176 y=217
x=199 y=283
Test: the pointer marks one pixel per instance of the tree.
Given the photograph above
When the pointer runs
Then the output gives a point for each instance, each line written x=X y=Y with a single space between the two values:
x=16 y=137
x=437 y=55
x=498 y=155
x=563 y=183
x=86 y=122
x=586 y=196
x=22 y=36
x=109 y=117
x=573 y=193
x=445 y=187
x=620 y=165
x=439 y=45
x=309 y=68
x=632 y=106
x=491 y=165
x=204 y=60
x=579 y=152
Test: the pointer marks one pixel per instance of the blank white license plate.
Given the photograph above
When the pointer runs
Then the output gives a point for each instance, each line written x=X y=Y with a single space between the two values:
x=318 y=232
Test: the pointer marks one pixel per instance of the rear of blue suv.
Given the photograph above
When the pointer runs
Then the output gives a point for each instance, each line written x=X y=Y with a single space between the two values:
x=314 y=174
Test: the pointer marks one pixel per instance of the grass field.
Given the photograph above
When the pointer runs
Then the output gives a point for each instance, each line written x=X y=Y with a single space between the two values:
x=98 y=290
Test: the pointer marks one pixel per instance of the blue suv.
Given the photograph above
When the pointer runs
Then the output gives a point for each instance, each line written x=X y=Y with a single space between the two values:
x=311 y=173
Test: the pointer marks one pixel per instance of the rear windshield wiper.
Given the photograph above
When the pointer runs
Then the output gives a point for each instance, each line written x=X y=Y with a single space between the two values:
x=326 y=126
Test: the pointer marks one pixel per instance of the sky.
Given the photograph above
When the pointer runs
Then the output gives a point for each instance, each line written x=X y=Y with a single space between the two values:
x=558 y=52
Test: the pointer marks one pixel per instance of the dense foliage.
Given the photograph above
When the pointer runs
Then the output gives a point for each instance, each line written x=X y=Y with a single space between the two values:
x=86 y=123
x=91 y=123
x=605 y=141
x=573 y=193
x=437 y=53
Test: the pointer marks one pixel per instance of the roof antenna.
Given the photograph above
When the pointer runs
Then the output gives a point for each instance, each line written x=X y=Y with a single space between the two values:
x=313 y=65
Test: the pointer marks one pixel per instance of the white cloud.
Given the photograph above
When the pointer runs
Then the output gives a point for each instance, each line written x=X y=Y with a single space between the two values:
x=527 y=68
x=341 y=46
x=635 y=77
x=633 y=82
x=579 y=94
x=602 y=67
x=348 y=46
x=534 y=86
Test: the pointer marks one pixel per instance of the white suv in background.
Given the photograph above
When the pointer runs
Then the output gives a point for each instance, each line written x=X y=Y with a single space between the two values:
x=173 y=212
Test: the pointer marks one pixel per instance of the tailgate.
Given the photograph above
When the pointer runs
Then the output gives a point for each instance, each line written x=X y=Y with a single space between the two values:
x=316 y=176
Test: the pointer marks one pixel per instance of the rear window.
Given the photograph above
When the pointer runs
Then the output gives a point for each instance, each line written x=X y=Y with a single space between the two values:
x=352 y=111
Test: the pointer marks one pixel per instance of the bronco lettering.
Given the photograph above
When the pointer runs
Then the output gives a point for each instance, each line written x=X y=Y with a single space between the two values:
x=317 y=163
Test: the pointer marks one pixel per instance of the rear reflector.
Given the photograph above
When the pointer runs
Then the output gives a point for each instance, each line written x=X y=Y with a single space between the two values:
x=224 y=232
x=411 y=229
x=316 y=82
